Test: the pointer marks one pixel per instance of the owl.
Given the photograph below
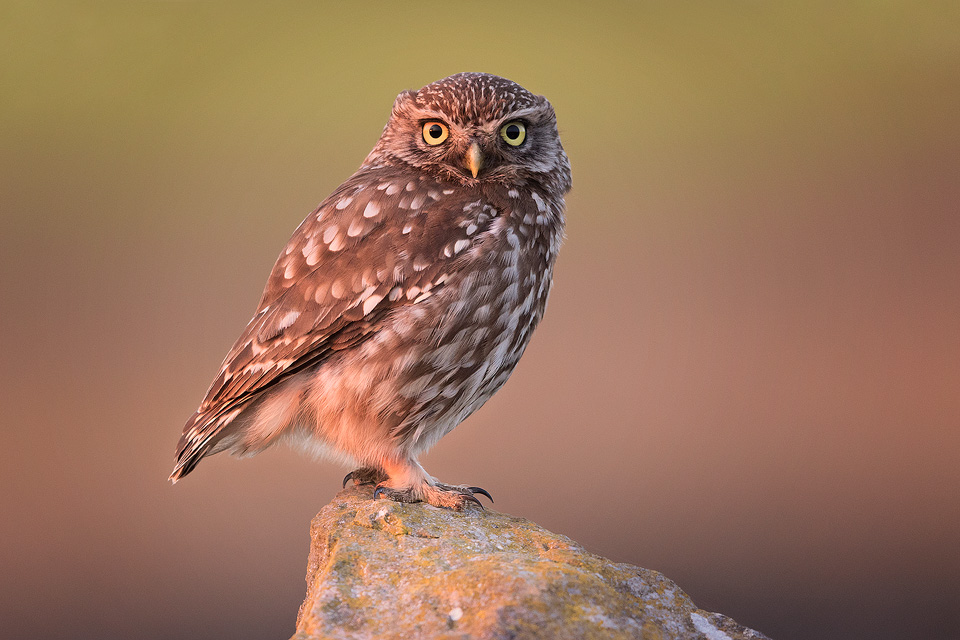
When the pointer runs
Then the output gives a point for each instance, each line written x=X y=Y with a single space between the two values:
x=404 y=301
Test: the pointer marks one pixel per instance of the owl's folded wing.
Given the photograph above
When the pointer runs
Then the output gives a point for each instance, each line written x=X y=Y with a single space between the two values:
x=364 y=252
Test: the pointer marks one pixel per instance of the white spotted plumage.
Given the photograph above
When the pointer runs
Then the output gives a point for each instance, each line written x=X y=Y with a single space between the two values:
x=406 y=299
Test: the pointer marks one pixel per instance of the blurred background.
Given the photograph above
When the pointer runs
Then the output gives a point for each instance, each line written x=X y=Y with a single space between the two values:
x=747 y=378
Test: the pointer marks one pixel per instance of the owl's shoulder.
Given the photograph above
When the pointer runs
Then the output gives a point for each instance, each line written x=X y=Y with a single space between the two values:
x=382 y=220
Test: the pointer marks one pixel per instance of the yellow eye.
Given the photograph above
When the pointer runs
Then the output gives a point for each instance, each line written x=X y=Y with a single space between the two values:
x=435 y=132
x=513 y=133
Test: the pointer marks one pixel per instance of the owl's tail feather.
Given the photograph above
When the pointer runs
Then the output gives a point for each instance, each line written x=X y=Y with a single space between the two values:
x=200 y=434
x=185 y=464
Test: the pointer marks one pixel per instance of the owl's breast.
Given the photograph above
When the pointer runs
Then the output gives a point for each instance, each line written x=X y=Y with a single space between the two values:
x=457 y=343
x=496 y=297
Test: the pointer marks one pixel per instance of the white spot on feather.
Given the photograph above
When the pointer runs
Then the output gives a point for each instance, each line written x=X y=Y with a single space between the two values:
x=541 y=205
x=344 y=202
x=370 y=303
x=355 y=228
x=288 y=320
x=371 y=209
x=308 y=247
x=314 y=257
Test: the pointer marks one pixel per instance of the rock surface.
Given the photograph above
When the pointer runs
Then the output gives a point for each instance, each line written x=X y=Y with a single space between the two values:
x=380 y=569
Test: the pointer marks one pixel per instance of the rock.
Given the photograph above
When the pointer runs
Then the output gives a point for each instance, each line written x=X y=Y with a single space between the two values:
x=380 y=569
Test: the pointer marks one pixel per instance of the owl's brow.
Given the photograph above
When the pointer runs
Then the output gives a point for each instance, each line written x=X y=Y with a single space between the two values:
x=531 y=114
x=429 y=114
x=524 y=114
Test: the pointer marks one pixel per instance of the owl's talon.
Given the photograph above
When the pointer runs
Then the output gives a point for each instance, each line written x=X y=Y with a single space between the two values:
x=464 y=491
x=347 y=478
x=481 y=491
x=472 y=498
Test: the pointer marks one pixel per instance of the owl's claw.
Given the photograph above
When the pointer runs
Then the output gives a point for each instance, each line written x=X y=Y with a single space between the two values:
x=472 y=498
x=481 y=491
x=465 y=492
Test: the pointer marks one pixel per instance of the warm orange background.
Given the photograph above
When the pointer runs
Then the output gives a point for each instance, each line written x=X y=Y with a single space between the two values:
x=747 y=378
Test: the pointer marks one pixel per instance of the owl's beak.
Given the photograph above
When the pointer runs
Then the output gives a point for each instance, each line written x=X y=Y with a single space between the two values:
x=473 y=159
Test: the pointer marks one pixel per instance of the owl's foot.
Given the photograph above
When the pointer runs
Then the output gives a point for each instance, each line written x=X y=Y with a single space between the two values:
x=439 y=495
x=365 y=475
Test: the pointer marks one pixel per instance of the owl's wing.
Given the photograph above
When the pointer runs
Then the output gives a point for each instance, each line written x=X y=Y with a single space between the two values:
x=367 y=250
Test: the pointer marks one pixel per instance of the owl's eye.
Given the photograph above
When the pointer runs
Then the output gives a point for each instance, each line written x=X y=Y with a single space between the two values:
x=435 y=132
x=513 y=133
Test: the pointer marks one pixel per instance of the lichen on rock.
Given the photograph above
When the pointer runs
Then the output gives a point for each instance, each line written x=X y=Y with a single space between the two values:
x=381 y=569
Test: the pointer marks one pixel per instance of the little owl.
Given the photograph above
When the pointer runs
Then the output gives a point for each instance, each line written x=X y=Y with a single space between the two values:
x=405 y=300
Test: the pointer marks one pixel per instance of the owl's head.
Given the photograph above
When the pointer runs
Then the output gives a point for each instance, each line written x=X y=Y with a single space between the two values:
x=472 y=128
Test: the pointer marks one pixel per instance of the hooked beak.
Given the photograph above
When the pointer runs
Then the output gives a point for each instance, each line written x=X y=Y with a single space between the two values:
x=473 y=159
